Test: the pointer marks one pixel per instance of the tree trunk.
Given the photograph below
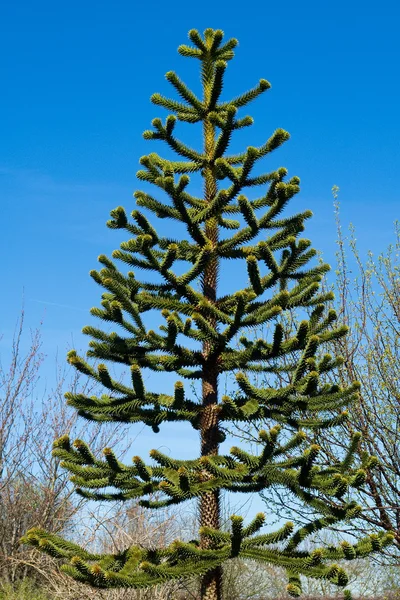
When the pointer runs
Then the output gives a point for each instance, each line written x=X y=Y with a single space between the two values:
x=211 y=584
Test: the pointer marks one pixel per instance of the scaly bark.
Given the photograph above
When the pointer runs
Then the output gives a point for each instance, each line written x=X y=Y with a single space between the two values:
x=211 y=584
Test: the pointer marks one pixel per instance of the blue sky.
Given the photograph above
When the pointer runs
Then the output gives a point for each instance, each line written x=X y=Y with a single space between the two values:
x=76 y=82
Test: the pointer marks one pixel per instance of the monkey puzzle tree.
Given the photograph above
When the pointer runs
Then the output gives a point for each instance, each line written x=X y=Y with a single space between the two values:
x=221 y=226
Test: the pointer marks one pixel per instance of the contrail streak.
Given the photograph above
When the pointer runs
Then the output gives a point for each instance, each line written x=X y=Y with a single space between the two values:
x=59 y=305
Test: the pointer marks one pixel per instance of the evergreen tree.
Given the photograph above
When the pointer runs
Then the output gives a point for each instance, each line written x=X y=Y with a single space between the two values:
x=221 y=226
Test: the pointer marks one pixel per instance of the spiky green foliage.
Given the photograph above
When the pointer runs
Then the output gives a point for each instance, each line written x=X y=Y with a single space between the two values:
x=224 y=225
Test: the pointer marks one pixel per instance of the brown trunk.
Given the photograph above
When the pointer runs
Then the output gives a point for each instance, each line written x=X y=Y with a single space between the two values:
x=211 y=584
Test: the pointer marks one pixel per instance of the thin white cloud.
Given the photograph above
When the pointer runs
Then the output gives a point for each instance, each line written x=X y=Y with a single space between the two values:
x=58 y=305
x=39 y=181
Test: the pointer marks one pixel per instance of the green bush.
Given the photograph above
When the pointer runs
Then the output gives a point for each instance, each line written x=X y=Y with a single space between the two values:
x=23 y=590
